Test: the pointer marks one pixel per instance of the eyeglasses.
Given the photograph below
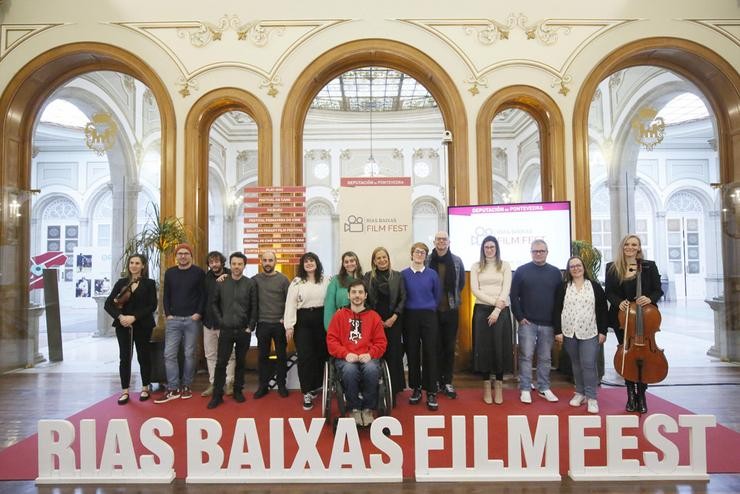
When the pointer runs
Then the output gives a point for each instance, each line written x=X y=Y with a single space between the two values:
x=420 y=251
x=577 y=266
x=539 y=251
x=184 y=253
x=441 y=239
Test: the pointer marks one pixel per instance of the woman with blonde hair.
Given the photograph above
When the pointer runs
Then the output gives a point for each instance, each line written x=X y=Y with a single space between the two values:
x=621 y=289
x=387 y=296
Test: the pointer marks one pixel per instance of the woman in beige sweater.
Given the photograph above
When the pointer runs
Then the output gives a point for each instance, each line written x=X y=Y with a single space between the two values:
x=490 y=281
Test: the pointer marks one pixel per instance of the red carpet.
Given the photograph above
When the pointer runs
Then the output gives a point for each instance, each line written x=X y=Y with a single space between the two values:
x=19 y=462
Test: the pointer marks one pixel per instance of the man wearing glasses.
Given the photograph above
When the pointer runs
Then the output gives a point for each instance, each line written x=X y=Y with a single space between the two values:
x=183 y=301
x=532 y=293
x=451 y=273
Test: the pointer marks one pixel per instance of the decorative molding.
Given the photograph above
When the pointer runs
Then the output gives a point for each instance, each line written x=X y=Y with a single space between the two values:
x=12 y=35
x=489 y=32
x=204 y=33
x=545 y=31
x=203 y=36
x=649 y=129
x=185 y=86
x=719 y=26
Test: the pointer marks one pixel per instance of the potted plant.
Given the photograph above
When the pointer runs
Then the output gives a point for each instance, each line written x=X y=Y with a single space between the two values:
x=157 y=241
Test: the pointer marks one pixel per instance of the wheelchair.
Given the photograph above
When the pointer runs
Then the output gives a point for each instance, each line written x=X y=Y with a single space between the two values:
x=332 y=390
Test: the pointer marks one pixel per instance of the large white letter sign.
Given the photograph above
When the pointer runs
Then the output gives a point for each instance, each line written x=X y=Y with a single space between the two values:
x=544 y=446
x=118 y=461
x=654 y=429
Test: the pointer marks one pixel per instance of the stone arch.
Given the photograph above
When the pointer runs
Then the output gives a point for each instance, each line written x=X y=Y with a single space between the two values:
x=203 y=113
x=716 y=79
x=546 y=113
x=24 y=95
x=385 y=53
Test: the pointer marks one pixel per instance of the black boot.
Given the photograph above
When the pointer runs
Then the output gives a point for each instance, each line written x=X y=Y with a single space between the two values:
x=641 y=400
x=631 y=396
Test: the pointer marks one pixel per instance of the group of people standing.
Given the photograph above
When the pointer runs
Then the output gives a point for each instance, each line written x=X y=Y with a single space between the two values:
x=415 y=313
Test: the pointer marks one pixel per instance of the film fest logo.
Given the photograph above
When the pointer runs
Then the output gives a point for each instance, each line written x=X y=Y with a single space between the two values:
x=354 y=224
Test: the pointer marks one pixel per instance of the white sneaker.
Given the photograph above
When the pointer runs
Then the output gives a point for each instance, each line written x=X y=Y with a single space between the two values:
x=577 y=400
x=367 y=417
x=548 y=395
x=357 y=415
x=592 y=406
x=525 y=397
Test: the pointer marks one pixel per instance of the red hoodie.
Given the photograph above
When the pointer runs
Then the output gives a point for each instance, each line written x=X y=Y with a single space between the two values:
x=356 y=332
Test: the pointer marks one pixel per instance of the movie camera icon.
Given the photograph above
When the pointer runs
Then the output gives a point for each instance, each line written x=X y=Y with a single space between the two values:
x=354 y=224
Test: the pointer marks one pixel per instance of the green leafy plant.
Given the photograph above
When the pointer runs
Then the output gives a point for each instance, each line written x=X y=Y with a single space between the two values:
x=591 y=256
x=156 y=240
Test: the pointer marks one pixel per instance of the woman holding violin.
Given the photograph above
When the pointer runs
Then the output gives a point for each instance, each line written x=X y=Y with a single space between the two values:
x=132 y=303
x=626 y=298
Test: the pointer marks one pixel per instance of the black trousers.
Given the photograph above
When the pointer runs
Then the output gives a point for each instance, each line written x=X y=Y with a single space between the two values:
x=126 y=342
x=394 y=355
x=422 y=348
x=267 y=333
x=228 y=340
x=310 y=343
x=448 y=322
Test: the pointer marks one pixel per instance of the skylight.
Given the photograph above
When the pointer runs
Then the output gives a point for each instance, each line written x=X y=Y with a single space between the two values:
x=62 y=112
x=682 y=108
x=391 y=91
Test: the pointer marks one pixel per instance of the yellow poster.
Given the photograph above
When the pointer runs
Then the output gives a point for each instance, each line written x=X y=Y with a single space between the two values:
x=374 y=212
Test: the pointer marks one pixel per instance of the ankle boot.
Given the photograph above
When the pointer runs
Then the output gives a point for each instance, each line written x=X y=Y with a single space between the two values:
x=487 y=392
x=631 y=396
x=498 y=392
x=641 y=400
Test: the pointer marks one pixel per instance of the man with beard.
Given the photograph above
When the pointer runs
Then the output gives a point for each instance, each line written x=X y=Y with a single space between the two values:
x=235 y=312
x=356 y=339
x=217 y=272
x=272 y=290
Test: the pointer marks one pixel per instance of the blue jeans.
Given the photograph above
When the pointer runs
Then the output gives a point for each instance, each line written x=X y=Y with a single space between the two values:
x=583 y=354
x=531 y=337
x=180 y=329
x=358 y=377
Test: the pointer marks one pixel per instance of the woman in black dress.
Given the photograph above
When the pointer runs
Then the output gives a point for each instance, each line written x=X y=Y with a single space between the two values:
x=621 y=289
x=132 y=303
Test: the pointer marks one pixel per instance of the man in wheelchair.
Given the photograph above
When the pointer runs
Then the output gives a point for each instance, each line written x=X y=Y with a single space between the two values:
x=356 y=339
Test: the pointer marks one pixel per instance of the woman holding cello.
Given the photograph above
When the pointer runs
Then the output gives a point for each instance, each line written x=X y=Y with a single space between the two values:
x=626 y=298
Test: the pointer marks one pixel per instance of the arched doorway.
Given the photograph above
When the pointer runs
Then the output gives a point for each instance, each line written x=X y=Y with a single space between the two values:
x=19 y=105
x=385 y=53
x=546 y=114
x=719 y=83
x=202 y=115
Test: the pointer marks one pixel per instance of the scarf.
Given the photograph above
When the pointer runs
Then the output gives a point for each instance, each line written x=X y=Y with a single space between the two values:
x=450 y=275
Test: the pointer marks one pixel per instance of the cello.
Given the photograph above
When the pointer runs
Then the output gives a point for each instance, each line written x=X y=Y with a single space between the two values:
x=638 y=358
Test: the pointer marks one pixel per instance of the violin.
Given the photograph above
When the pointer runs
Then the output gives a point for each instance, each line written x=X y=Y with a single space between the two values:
x=124 y=295
x=638 y=358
